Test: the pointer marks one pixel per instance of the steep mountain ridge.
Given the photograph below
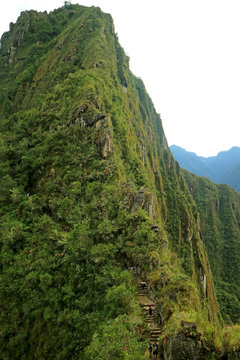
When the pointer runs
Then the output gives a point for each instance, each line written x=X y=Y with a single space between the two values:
x=88 y=187
x=223 y=168
x=219 y=209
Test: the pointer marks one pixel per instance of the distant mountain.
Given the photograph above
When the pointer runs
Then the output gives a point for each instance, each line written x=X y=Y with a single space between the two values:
x=192 y=162
x=232 y=177
x=223 y=168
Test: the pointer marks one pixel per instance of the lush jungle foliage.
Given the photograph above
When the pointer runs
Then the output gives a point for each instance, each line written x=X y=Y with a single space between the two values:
x=88 y=187
x=219 y=209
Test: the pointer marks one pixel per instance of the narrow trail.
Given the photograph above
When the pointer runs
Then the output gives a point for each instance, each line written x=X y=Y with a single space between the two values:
x=154 y=330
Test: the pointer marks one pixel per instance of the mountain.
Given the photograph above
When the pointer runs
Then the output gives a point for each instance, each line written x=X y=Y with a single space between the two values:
x=223 y=168
x=192 y=162
x=89 y=189
x=232 y=177
x=225 y=160
x=219 y=209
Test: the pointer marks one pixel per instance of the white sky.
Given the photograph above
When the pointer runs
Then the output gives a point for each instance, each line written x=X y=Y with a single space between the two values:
x=188 y=55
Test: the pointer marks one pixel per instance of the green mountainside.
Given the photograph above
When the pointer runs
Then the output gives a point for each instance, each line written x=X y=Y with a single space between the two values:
x=89 y=188
x=219 y=209
x=232 y=177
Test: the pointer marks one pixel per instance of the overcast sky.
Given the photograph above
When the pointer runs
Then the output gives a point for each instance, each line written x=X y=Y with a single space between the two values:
x=188 y=55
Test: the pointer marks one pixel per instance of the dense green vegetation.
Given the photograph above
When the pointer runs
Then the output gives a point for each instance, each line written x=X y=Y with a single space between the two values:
x=88 y=187
x=219 y=209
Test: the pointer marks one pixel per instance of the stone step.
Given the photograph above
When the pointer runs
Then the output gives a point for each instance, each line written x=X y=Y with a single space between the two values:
x=155 y=332
x=153 y=338
x=153 y=341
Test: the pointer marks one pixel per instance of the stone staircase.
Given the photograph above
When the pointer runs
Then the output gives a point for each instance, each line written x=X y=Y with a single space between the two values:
x=154 y=330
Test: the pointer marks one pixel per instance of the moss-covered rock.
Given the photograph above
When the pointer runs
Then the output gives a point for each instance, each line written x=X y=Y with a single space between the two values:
x=183 y=347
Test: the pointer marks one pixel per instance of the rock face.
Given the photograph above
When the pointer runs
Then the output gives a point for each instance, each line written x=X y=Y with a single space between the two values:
x=183 y=347
x=104 y=136
x=83 y=116
x=12 y=40
x=144 y=199
x=161 y=314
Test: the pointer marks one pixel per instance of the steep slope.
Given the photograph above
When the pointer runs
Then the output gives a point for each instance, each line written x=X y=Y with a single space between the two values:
x=219 y=209
x=223 y=168
x=88 y=187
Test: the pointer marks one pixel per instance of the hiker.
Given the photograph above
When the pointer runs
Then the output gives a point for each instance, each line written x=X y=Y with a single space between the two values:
x=143 y=285
x=150 y=310
x=150 y=350
x=155 y=350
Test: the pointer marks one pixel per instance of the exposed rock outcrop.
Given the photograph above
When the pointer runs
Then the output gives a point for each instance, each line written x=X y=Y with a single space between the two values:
x=145 y=199
x=82 y=116
x=11 y=40
x=183 y=347
x=104 y=136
